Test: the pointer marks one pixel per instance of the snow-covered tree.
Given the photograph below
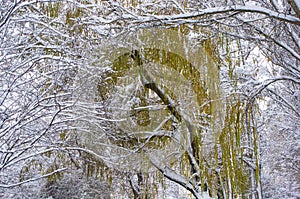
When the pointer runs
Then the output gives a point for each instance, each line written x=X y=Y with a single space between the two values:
x=126 y=94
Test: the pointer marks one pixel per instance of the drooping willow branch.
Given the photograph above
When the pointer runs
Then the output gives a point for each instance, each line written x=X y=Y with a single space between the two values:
x=149 y=83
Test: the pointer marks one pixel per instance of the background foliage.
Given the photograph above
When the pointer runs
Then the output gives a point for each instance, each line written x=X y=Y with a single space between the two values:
x=232 y=131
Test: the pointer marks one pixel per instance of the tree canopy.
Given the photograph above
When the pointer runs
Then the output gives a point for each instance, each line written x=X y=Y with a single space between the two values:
x=149 y=99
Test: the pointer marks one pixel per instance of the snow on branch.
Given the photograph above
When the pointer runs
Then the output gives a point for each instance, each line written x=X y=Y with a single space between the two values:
x=32 y=179
x=226 y=9
x=173 y=176
x=265 y=85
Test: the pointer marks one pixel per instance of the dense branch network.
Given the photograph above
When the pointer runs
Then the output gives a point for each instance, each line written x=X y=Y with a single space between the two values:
x=44 y=45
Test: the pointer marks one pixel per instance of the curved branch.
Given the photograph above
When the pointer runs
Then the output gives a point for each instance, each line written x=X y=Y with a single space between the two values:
x=32 y=179
x=173 y=176
x=295 y=4
x=226 y=9
x=6 y=16
x=265 y=85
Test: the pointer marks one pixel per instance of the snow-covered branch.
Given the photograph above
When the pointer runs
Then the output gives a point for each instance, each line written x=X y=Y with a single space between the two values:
x=222 y=10
x=173 y=176
x=32 y=179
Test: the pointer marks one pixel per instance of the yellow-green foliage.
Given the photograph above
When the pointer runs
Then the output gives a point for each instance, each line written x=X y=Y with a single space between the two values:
x=253 y=136
x=221 y=164
x=233 y=168
x=29 y=169
x=172 y=61
x=51 y=9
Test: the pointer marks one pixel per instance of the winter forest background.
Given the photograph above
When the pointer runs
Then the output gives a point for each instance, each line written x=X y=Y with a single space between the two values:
x=149 y=99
